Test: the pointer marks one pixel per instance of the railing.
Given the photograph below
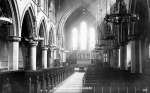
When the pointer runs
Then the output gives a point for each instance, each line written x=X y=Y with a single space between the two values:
x=42 y=81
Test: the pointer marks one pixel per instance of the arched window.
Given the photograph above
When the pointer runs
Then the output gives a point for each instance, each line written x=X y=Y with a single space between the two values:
x=92 y=39
x=75 y=38
x=83 y=38
x=83 y=35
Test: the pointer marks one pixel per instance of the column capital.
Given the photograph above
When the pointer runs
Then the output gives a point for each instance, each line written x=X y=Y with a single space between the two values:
x=14 y=38
x=52 y=46
x=33 y=43
x=44 y=48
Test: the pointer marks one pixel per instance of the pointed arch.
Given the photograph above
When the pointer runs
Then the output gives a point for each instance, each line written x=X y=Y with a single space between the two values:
x=10 y=10
x=15 y=17
x=51 y=38
x=42 y=43
x=42 y=30
x=29 y=8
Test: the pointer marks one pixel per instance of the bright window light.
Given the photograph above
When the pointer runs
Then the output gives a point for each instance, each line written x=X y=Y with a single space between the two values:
x=105 y=57
x=75 y=38
x=119 y=59
x=83 y=36
x=128 y=55
x=92 y=38
x=149 y=51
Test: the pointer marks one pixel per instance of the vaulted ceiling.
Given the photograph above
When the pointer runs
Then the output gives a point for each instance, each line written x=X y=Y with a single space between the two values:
x=77 y=11
x=90 y=5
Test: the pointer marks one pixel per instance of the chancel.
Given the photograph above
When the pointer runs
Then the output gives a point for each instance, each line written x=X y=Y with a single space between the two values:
x=74 y=46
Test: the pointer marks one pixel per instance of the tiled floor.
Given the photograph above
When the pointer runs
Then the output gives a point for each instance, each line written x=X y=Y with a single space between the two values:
x=73 y=84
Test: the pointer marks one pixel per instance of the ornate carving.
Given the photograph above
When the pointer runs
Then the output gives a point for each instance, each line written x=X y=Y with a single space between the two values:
x=122 y=20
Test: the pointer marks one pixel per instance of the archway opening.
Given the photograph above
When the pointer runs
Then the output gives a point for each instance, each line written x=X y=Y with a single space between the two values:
x=40 y=45
x=24 y=45
x=5 y=28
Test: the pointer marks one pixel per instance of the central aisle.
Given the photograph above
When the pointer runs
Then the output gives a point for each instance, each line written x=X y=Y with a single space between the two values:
x=73 y=84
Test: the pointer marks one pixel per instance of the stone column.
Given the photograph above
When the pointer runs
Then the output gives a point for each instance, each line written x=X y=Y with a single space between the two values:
x=44 y=57
x=114 y=58
x=140 y=57
x=122 y=57
x=135 y=57
x=32 y=57
x=52 y=58
x=133 y=67
x=61 y=58
x=13 y=54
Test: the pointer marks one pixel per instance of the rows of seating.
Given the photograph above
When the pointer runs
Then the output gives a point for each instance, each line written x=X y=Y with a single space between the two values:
x=41 y=81
x=103 y=79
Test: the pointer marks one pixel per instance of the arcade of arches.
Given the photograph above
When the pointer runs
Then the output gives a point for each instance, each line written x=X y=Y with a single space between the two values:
x=103 y=44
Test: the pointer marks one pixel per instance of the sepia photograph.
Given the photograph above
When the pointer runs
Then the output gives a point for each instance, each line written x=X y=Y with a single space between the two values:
x=74 y=46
